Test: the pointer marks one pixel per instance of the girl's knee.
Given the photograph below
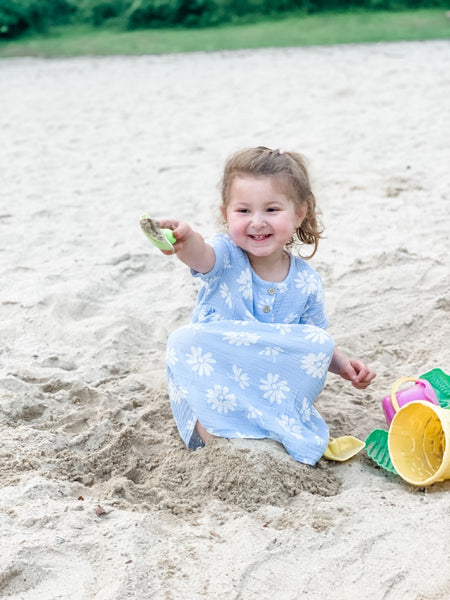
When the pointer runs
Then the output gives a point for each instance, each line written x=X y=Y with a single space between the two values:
x=179 y=340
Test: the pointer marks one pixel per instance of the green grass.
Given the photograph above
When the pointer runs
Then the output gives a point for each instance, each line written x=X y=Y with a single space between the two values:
x=293 y=30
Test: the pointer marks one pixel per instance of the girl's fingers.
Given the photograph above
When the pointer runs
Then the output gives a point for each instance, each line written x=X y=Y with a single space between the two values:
x=364 y=375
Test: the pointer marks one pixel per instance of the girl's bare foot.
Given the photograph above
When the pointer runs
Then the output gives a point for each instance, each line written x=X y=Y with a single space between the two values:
x=205 y=435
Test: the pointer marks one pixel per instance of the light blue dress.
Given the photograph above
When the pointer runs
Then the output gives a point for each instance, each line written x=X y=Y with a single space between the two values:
x=254 y=357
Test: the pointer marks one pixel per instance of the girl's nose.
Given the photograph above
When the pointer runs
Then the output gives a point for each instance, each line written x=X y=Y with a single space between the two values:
x=259 y=220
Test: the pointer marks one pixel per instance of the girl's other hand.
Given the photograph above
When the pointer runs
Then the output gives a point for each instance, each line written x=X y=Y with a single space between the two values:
x=351 y=369
x=358 y=373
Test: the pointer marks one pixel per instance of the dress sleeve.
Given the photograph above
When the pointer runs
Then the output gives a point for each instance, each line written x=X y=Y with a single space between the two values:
x=314 y=313
x=221 y=249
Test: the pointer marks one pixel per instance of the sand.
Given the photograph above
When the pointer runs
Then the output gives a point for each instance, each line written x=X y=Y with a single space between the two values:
x=99 y=499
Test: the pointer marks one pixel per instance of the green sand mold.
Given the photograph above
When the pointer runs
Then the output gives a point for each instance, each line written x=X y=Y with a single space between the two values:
x=377 y=449
x=161 y=238
x=440 y=382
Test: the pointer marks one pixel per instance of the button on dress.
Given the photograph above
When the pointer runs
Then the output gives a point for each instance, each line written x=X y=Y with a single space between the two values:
x=255 y=356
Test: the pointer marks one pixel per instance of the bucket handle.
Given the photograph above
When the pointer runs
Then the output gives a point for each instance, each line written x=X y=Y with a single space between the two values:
x=395 y=387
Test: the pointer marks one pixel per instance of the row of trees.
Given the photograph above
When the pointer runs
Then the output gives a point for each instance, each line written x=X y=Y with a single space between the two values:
x=19 y=16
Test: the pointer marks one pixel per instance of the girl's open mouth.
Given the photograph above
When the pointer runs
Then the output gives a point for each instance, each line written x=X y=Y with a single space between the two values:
x=260 y=238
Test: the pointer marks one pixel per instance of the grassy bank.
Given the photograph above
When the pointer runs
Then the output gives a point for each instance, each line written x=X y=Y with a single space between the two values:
x=294 y=30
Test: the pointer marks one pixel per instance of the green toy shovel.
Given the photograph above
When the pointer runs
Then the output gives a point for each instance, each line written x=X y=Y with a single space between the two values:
x=161 y=238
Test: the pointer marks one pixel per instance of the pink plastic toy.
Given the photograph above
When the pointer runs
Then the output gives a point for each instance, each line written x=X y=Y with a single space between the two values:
x=422 y=390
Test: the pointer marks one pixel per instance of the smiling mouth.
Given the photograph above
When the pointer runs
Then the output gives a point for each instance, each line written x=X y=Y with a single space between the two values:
x=260 y=238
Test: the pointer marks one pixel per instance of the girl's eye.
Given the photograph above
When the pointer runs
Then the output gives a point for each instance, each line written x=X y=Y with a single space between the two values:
x=272 y=209
x=243 y=210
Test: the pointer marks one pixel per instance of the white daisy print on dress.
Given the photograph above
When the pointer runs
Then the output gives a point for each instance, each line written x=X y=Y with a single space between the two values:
x=240 y=377
x=202 y=363
x=304 y=408
x=282 y=328
x=207 y=284
x=271 y=351
x=292 y=318
x=245 y=281
x=226 y=294
x=176 y=393
x=274 y=389
x=191 y=423
x=254 y=414
x=316 y=365
x=315 y=334
x=263 y=302
x=171 y=357
x=221 y=399
x=308 y=283
x=291 y=426
x=240 y=338
x=320 y=294
x=240 y=323
x=307 y=413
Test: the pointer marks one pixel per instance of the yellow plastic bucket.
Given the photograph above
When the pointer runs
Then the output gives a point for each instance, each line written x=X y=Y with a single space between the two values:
x=419 y=443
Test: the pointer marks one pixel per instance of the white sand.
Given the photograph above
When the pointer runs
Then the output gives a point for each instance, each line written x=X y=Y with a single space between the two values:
x=87 y=146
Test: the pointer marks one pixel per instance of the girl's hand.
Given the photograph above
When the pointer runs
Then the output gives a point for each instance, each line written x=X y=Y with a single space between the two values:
x=181 y=231
x=351 y=369
x=358 y=373
x=190 y=247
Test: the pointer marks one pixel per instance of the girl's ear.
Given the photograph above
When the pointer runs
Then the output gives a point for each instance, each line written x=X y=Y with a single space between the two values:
x=301 y=213
x=223 y=212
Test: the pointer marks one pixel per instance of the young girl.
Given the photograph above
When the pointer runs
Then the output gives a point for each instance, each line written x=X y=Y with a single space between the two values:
x=256 y=354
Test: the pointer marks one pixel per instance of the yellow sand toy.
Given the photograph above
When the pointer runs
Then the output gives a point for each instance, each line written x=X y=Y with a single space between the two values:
x=343 y=448
x=419 y=443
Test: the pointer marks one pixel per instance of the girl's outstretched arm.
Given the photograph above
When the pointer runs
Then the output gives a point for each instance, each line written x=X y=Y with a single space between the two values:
x=352 y=369
x=190 y=246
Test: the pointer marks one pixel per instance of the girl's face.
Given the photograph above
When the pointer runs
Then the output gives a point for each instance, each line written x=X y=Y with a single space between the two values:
x=261 y=219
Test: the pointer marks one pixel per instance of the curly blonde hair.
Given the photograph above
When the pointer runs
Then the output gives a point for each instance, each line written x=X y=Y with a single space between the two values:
x=290 y=169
